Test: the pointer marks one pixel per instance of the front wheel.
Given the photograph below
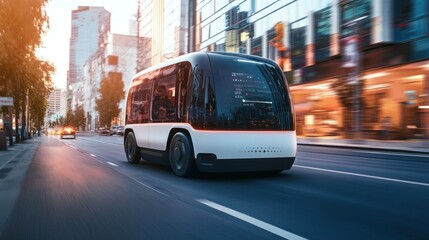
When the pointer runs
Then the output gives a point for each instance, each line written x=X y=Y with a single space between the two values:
x=181 y=155
x=132 y=151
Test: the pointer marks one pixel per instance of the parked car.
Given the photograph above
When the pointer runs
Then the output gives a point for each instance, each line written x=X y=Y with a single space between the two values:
x=113 y=130
x=68 y=131
x=120 y=131
x=104 y=131
x=117 y=130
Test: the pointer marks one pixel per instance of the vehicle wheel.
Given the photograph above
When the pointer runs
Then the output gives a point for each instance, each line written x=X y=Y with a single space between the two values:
x=132 y=151
x=181 y=155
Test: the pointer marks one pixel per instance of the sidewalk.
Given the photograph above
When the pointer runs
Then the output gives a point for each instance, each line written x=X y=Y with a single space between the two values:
x=412 y=145
x=18 y=150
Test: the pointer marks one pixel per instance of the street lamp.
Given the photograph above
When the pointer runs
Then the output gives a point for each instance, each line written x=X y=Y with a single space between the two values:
x=352 y=60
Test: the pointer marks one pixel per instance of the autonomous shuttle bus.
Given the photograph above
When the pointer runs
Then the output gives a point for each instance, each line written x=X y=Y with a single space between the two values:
x=211 y=111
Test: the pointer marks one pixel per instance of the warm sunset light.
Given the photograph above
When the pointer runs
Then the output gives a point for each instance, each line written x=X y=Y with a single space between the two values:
x=57 y=40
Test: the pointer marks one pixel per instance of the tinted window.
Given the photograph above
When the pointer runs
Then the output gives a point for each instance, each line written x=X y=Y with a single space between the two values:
x=139 y=104
x=249 y=96
x=164 y=98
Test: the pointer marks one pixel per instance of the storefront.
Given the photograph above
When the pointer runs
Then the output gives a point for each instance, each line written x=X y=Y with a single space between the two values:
x=393 y=101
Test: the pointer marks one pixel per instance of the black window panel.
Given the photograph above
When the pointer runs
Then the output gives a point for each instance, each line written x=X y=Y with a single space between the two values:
x=247 y=96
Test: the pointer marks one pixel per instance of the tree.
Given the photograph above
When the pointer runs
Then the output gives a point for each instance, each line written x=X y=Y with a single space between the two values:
x=111 y=93
x=22 y=75
x=79 y=118
x=346 y=94
x=69 y=120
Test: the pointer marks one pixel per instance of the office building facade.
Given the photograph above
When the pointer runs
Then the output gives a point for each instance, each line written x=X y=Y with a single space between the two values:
x=354 y=67
x=89 y=34
x=164 y=30
x=56 y=105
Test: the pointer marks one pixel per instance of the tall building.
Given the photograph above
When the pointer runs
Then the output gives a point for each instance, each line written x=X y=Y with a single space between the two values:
x=56 y=105
x=354 y=66
x=164 y=26
x=132 y=25
x=89 y=32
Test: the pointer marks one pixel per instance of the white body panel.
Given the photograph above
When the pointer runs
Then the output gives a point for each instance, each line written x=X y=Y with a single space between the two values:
x=245 y=145
x=224 y=144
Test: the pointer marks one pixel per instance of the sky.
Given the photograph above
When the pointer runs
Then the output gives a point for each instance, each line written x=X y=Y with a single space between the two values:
x=56 y=41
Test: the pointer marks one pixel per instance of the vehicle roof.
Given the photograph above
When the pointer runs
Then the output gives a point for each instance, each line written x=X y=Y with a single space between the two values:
x=191 y=57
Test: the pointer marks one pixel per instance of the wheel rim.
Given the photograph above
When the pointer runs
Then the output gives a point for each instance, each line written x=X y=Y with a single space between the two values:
x=130 y=148
x=179 y=155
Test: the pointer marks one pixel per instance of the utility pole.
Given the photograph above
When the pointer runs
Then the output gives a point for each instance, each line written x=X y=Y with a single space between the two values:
x=138 y=19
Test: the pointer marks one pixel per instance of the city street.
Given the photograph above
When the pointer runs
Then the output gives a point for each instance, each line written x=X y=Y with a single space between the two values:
x=85 y=189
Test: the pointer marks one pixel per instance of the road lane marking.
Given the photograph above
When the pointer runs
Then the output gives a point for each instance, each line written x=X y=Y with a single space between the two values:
x=364 y=175
x=394 y=154
x=92 y=155
x=258 y=223
x=73 y=147
x=115 y=165
x=148 y=186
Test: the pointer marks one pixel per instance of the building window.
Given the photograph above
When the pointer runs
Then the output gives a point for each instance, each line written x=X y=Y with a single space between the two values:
x=297 y=43
x=353 y=10
x=322 y=33
x=410 y=19
x=257 y=46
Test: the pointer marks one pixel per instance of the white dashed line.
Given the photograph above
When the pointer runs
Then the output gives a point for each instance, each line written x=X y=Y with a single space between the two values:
x=112 y=164
x=258 y=223
x=364 y=175
x=92 y=155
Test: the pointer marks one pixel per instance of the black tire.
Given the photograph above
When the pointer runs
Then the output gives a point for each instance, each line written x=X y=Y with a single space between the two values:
x=181 y=155
x=132 y=151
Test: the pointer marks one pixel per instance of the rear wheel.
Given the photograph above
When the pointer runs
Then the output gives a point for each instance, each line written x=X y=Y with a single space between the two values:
x=132 y=151
x=181 y=155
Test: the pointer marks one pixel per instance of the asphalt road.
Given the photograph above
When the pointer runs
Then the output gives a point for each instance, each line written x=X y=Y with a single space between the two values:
x=85 y=189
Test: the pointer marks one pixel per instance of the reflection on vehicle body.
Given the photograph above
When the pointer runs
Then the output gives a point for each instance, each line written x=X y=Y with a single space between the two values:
x=211 y=112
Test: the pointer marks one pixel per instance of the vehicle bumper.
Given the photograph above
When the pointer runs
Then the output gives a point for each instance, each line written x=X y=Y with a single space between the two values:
x=68 y=135
x=210 y=163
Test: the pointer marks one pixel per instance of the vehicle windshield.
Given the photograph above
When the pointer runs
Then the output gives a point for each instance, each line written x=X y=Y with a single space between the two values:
x=249 y=95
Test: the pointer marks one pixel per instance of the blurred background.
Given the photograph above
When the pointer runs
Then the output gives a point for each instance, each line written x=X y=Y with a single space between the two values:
x=357 y=69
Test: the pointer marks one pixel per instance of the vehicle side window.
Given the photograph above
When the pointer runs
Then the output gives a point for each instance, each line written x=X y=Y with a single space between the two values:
x=164 y=99
x=140 y=103
x=182 y=88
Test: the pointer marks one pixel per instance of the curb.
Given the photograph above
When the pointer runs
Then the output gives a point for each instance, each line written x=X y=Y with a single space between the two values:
x=356 y=146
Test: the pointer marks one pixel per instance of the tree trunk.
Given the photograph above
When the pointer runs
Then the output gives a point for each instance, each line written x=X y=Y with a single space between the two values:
x=17 y=136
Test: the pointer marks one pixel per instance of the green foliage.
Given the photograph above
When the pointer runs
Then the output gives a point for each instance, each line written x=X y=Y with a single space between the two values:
x=111 y=93
x=75 y=119
x=79 y=118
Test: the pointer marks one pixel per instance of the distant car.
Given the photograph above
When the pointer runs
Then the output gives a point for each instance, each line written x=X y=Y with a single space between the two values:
x=68 y=131
x=50 y=131
x=114 y=130
x=120 y=131
x=117 y=130
x=104 y=131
